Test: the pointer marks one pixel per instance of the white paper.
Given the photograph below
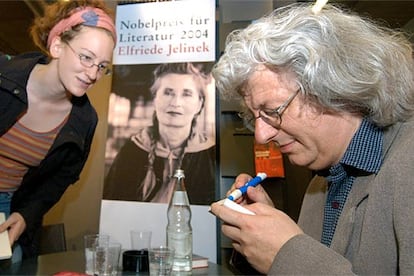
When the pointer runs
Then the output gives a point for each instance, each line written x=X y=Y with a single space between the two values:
x=236 y=207
x=5 y=250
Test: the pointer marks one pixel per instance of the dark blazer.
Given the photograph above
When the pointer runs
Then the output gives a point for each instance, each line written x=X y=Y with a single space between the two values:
x=374 y=235
x=44 y=185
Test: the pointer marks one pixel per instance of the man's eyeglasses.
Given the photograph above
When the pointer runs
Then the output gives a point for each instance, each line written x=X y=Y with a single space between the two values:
x=272 y=118
x=87 y=61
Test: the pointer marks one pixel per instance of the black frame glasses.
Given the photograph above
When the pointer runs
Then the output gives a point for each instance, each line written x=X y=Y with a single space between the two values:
x=272 y=118
x=87 y=61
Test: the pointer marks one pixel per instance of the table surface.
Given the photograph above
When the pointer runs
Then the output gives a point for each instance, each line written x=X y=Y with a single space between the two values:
x=74 y=261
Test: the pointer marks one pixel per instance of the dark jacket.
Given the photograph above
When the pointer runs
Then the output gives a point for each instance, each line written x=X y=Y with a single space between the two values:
x=374 y=234
x=44 y=185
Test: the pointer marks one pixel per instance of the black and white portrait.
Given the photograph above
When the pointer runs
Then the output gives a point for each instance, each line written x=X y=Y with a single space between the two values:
x=161 y=118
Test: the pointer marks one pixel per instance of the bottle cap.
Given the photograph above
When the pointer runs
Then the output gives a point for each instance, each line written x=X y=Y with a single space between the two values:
x=179 y=173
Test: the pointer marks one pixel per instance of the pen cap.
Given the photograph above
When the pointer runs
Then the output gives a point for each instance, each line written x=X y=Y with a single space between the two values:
x=262 y=175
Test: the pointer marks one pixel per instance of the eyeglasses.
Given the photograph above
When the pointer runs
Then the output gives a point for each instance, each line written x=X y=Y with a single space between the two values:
x=272 y=118
x=87 y=61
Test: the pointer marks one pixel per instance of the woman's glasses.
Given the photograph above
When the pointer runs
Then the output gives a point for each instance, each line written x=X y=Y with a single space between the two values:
x=87 y=61
x=272 y=118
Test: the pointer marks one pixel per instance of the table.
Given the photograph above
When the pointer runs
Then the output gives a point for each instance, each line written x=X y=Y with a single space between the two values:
x=74 y=261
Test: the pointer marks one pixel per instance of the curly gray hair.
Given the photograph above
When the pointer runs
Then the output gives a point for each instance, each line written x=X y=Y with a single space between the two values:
x=343 y=62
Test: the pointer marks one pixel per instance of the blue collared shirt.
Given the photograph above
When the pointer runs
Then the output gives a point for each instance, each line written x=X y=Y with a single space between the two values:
x=363 y=155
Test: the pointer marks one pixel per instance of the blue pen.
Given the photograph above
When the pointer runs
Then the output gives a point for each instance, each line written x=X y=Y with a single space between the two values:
x=252 y=183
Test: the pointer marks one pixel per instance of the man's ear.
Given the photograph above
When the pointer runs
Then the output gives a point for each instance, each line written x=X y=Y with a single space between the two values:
x=56 y=47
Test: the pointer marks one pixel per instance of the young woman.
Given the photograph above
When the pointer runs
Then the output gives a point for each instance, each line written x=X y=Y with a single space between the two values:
x=143 y=168
x=46 y=120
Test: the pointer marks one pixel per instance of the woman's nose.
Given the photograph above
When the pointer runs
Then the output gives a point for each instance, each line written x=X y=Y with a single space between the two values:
x=263 y=132
x=175 y=101
x=92 y=73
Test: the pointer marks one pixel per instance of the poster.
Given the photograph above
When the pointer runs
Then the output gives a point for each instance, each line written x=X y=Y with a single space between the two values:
x=161 y=117
x=171 y=31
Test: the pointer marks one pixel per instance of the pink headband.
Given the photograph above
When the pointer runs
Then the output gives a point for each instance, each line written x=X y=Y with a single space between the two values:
x=86 y=16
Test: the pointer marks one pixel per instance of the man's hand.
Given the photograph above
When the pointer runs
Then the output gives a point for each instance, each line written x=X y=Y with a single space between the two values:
x=258 y=237
x=254 y=194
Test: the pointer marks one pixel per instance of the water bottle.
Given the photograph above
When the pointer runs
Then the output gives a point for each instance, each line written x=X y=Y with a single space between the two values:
x=179 y=231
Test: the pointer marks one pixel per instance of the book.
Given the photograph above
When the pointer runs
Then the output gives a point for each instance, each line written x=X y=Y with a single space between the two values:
x=199 y=261
x=268 y=159
x=5 y=249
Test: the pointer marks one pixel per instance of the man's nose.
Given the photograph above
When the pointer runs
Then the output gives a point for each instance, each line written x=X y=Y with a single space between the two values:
x=263 y=132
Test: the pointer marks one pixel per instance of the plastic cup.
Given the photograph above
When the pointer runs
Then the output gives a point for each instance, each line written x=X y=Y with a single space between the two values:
x=92 y=242
x=160 y=260
x=106 y=259
x=135 y=261
x=140 y=239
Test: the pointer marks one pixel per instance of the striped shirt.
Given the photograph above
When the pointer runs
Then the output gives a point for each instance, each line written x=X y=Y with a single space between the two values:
x=20 y=149
x=363 y=155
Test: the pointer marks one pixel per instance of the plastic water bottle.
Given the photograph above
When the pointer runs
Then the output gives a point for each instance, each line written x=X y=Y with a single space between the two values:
x=179 y=231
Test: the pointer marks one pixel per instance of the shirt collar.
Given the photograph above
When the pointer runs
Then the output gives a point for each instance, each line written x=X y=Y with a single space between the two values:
x=365 y=150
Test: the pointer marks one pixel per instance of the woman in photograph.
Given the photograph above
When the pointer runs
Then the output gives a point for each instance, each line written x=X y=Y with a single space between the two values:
x=144 y=167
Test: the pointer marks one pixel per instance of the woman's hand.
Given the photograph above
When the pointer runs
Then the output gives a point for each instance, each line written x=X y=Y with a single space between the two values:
x=254 y=194
x=16 y=225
